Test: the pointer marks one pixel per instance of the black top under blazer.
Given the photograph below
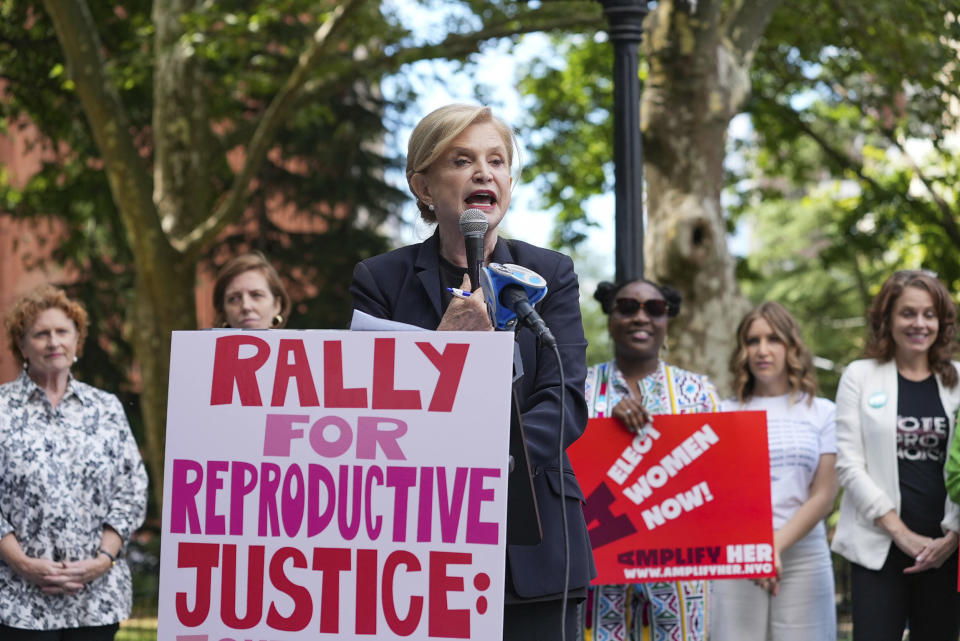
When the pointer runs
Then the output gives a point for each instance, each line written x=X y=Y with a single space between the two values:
x=404 y=285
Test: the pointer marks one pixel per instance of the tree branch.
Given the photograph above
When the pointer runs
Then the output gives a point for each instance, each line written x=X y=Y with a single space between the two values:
x=946 y=221
x=454 y=46
x=230 y=207
x=126 y=172
x=183 y=140
x=459 y=45
x=948 y=218
x=745 y=24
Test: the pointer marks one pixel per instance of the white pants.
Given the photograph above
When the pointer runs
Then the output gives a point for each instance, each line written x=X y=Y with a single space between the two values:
x=803 y=610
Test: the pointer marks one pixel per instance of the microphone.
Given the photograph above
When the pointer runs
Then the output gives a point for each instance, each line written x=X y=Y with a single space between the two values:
x=511 y=292
x=473 y=226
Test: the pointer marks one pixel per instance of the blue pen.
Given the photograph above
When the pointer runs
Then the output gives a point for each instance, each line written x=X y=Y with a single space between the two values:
x=459 y=293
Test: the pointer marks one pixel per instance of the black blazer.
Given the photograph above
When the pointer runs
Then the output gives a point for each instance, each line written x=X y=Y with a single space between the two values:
x=404 y=285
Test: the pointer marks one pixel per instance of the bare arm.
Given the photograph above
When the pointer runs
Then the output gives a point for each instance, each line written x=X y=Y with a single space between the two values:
x=823 y=491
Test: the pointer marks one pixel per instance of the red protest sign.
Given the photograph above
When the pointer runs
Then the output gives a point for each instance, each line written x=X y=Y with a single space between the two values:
x=688 y=499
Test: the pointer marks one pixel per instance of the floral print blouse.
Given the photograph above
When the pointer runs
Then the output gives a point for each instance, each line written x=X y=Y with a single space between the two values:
x=66 y=472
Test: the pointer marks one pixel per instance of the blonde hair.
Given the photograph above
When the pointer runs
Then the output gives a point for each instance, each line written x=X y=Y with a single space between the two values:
x=434 y=133
x=801 y=375
x=28 y=307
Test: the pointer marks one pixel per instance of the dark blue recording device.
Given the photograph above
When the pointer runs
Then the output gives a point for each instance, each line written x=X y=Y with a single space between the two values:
x=511 y=291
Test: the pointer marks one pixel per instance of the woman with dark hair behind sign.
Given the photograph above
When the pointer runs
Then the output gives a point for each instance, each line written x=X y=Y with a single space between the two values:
x=632 y=387
x=895 y=418
x=459 y=157
x=773 y=372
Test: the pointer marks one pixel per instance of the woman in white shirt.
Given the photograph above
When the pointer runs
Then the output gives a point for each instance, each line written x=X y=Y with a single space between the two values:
x=773 y=372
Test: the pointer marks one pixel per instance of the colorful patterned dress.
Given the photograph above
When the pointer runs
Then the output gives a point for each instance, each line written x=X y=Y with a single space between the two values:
x=665 y=611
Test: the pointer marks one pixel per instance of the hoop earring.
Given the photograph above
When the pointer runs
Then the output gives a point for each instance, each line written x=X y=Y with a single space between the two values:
x=277 y=320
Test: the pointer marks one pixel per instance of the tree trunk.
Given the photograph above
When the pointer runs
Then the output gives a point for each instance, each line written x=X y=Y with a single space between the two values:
x=686 y=109
x=164 y=303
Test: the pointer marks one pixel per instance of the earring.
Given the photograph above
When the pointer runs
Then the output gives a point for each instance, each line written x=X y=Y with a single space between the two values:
x=224 y=324
x=431 y=207
x=26 y=365
x=277 y=320
x=76 y=358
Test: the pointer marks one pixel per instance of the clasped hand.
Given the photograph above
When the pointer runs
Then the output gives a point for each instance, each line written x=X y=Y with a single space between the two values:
x=63 y=577
x=928 y=553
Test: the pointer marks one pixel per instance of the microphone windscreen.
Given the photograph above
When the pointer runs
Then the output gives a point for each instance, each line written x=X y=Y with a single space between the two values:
x=473 y=222
x=495 y=278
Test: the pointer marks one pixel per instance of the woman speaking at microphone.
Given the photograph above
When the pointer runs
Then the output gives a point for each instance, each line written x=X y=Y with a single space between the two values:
x=460 y=157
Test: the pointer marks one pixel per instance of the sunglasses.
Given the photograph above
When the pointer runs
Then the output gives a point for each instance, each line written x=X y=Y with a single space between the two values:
x=655 y=308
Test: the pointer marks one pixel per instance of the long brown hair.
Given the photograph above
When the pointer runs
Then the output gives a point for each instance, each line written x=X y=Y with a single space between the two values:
x=880 y=343
x=799 y=362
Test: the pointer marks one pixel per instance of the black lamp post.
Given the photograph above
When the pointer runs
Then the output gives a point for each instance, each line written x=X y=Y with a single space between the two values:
x=626 y=31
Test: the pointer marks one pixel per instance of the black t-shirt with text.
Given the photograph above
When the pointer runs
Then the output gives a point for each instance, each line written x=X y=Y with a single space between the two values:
x=922 y=430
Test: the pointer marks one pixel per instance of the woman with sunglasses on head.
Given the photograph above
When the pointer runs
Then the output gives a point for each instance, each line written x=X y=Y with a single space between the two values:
x=773 y=372
x=895 y=418
x=633 y=387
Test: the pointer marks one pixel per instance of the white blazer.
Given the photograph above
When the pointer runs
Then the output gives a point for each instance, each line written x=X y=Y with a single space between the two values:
x=867 y=459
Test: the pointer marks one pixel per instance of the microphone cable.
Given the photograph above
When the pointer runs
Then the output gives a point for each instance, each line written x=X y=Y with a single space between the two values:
x=563 y=497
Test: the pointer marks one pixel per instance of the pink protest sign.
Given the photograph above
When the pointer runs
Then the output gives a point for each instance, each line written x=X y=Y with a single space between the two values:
x=688 y=499
x=324 y=484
